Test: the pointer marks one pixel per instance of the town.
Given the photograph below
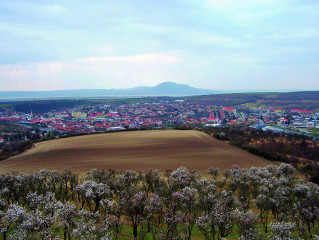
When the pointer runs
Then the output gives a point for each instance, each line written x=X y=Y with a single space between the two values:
x=177 y=114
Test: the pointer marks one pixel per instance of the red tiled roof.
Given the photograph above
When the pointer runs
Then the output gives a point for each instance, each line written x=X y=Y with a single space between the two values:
x=301 y=111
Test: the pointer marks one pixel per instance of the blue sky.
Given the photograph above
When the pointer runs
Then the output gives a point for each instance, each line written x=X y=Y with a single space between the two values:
x=216 y=44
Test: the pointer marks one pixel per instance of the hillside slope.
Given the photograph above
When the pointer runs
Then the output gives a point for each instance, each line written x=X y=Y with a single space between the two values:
x=140 y=150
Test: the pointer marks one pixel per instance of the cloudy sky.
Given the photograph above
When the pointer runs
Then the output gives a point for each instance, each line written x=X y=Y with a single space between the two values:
x=216 y=44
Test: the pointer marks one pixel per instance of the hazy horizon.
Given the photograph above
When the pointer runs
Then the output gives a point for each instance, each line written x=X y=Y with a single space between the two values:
x=123 y=88
x=226 y=45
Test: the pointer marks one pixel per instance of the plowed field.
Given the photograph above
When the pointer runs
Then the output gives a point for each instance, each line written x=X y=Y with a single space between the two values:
x=138 y=150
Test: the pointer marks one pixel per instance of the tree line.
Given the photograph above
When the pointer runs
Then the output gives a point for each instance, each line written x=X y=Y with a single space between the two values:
x=300 y=151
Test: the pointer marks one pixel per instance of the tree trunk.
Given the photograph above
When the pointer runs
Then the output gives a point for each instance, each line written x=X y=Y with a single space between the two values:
x=97 y=204
x=149 y=225
x=266 y=226
x=135 y=232
x=309 y=230
x=189 y=233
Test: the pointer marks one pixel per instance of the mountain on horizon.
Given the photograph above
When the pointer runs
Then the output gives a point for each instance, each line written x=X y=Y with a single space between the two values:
x=162 y=89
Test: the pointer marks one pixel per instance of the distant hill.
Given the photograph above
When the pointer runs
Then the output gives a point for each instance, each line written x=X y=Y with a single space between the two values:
x=163 y=89
x=306 y=100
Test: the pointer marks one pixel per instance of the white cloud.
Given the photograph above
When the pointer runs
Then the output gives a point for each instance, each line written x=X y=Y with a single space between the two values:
x=301 y=34
x=54 y=10
x=212 y=39
x=106 y=49
x=190 y=35
x=170 y=57
x=152 y=28
x=307 y=33
x=49 y=33
x=91 y=72
x=97 y=45
x=236 y=3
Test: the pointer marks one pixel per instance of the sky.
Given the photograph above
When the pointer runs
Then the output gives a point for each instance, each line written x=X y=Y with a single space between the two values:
x=214 y=44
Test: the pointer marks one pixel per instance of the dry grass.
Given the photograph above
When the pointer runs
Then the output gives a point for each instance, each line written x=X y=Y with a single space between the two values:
x=139 y=150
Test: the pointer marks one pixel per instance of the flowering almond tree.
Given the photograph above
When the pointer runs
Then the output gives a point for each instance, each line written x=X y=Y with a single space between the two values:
x=136 y=209
x=92 y=193
x=58 y=205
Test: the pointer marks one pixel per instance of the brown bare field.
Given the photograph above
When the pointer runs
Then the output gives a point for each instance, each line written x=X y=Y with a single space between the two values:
x=138 y=150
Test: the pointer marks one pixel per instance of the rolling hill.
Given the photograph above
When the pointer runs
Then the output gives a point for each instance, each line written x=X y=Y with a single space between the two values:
x=140 y=150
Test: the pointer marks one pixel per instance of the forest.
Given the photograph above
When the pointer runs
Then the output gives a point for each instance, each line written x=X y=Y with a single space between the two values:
x=255 y=203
